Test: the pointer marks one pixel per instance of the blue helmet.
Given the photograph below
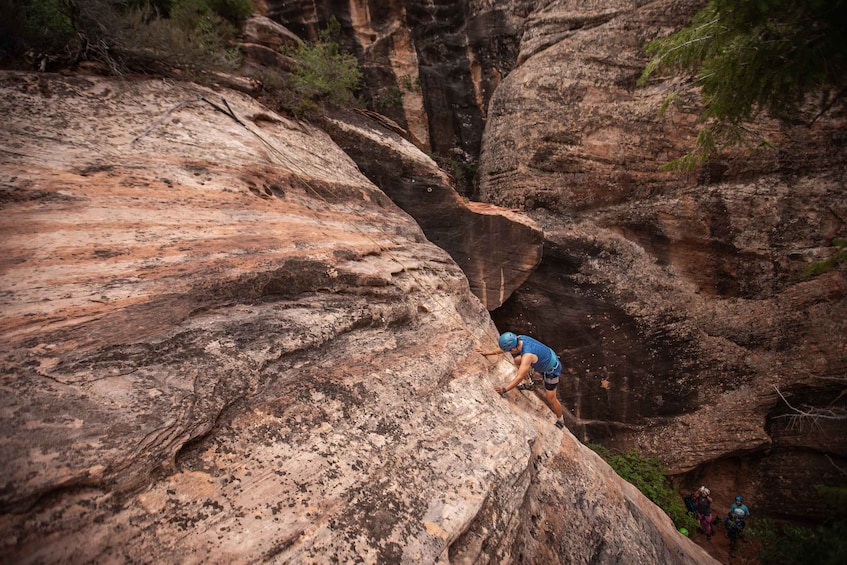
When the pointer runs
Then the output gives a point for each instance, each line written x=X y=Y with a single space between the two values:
x=739 y=499
x=507 y=341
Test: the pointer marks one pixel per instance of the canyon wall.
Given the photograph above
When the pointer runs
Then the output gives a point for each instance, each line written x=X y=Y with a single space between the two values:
x=430 y=65
x=221 y=343
x=676 y=300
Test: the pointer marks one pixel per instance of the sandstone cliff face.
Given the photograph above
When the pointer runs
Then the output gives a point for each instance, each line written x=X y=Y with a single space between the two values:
x=221 y=343
x=676 y=300
x=481 y=238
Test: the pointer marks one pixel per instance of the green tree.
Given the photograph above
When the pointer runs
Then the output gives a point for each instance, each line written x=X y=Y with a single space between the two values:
x=784 y=57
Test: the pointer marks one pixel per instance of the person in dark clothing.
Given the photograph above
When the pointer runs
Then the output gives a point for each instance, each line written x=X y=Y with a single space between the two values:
x=734 y=522
x=531 y=354
x=703 y=500
x=690 y=504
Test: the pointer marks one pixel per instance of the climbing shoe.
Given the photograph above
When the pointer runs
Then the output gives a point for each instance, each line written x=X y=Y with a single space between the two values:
x=526 y=386
x=560 y=424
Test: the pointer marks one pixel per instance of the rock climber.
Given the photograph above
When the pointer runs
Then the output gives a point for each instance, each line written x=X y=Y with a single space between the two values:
x=531 y=354
x=703 y=501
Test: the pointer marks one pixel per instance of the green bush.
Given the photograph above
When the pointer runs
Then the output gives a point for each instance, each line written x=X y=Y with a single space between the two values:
x=233 y=11
x=124 y=34
x=47 y=23
x=649 y=476
x=324 y=73
x=391 y=98
x=154 y=43
x=791 y=544
x=220 y=16
x=463 y=173
x=36 y=26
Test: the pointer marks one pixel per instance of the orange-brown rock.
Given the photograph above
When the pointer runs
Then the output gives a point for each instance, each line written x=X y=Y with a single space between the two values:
x=496 y=248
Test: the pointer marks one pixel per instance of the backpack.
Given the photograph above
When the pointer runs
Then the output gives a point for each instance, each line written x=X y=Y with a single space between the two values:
x=733 y=526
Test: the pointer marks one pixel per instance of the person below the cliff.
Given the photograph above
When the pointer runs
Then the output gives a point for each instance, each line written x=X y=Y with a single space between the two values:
x=739 y=511
x=704 y=510
x=530 y=354
x=735 y=521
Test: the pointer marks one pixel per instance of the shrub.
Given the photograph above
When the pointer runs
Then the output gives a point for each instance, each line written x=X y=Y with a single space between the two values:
x=791 y=544
x=42 y=25
x=463 y=172
x=325 y=73
x=126 y=35
x=649 y=476
x=392 y=98
x=154 y=43
x=233 y=11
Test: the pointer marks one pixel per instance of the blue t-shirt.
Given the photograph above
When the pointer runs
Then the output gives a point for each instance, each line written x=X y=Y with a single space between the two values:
x=547 y=361
x=739 y=511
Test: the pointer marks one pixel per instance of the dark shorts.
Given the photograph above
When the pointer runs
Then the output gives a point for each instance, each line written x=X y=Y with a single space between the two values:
x=551 y=378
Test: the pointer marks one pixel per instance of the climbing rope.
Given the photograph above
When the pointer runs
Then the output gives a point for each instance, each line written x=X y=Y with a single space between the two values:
x=161 y=119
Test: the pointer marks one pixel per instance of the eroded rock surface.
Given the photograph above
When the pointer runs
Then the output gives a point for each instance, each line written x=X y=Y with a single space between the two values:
x=221 y=343
x=430 y=65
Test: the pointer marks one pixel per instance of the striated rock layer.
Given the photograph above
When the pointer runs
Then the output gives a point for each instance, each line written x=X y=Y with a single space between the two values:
x=221 y=343
x=496 y=248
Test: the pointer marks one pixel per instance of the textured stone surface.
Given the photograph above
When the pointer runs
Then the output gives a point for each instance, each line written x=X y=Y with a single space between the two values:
x=222 y=343
x=263 y=30
x=675 y=299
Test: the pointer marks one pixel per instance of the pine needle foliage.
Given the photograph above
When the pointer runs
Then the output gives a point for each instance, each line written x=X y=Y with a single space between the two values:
x=784 y=57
